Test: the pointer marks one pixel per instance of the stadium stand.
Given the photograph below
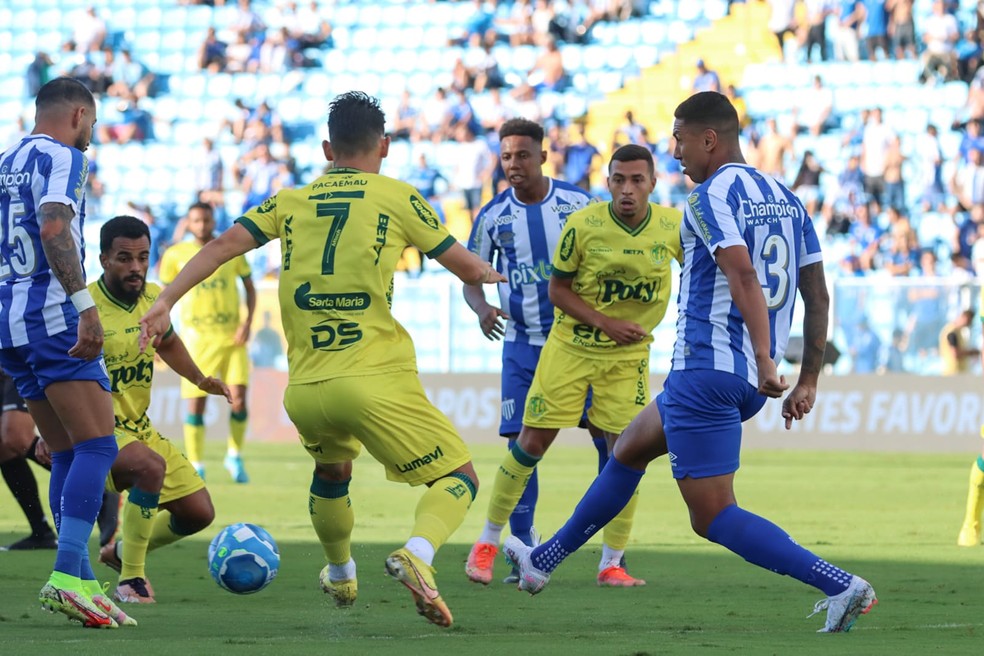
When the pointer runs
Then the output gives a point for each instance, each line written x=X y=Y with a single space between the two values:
x=295 y=57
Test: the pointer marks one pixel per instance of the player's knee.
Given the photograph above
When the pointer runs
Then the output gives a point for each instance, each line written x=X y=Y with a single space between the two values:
x=136 y=465
x=337 y=472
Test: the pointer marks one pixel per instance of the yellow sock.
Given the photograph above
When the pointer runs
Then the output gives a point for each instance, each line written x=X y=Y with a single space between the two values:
x=510 y=481
x=442 y=509
x=139 y=515
x=194 y=436
x=975 y=500
x=163 y=533
x=333 y=518
x=237 y=432
x=616 y=533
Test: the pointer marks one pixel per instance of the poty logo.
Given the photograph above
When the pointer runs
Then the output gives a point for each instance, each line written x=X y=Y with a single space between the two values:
x=15 y=179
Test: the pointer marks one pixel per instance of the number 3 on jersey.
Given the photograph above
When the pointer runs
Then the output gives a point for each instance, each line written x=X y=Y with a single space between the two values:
x=775 y=257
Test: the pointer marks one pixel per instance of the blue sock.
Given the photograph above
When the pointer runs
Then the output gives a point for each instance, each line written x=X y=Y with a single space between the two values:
x=61 y=463
x=601 y=446
x=86 y=568
x=81 y=497
x=762 y=543
x=521 y=519
x=605 y=498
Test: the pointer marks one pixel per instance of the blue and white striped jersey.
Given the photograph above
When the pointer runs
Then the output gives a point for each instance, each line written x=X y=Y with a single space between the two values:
x=739 y=205
x=37 y=170
x=519 y=241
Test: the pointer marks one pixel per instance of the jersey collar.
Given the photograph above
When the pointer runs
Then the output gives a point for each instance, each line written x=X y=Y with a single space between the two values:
x=112 y=299
x=342 y=169
x=632 y=231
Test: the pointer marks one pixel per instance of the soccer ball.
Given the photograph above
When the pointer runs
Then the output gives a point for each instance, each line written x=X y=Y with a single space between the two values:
x=243 y=558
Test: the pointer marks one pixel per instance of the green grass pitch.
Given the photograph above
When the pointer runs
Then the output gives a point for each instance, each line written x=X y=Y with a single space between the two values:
x=891 y=518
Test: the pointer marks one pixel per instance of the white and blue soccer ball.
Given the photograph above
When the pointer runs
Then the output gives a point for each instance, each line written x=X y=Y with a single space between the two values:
x=243 y=558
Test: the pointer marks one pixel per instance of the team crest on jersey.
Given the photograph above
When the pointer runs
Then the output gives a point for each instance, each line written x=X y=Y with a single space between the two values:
x=424 y=212
x=567 y=246
x=536 y=406
x=506 y=237
x=658 y=254
x=268 y=205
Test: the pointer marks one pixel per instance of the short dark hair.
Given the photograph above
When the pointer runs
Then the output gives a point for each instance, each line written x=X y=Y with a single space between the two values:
x=634 y=153
x=128 y=227
x=521 y=127
x=63 y=90
x=355 y=123
x=200 y=205
x=710 y=109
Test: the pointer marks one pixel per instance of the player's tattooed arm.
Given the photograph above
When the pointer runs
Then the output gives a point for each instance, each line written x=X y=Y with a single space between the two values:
x=59 y=246
x=816 y=301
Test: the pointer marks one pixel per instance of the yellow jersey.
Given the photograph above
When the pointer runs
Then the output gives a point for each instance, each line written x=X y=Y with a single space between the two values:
x=340 y=239
x=622 y=272
x=211 y=308
x=130 y=371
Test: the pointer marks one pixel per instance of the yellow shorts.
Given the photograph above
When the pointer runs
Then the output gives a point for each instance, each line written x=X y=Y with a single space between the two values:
x=388 y=413
x=620 y=389
x=216 y=356
x=180 y=478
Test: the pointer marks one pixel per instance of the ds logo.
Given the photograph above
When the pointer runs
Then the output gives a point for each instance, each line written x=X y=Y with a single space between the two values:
x=335 y=336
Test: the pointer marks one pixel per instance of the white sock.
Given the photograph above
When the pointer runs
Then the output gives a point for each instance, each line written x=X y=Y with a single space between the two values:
x=422 y=549
x=342 y=572
x=491 y=533
x=610 y=557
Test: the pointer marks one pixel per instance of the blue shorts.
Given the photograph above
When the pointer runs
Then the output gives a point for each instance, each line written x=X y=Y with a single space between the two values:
x=35 y=366
x=518 y=366
x=702 y=412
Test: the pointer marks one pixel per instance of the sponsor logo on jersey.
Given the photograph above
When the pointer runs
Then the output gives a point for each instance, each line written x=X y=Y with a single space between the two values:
x=334 y=335
x=420 y=461
x=536 y=406
x=14 y=178
x=599 y=250
x=642 y=383
x=83 y=174
x=594 y=221
x=424 y=212
x=268 y=205
x=345 y=301
x=640 y=289
x=668 y=224
x=526 y=274
x=141 y=372
x=508 y=408
x=694 y=202
x=768 y=211
x=567 y=246
x=504 y=219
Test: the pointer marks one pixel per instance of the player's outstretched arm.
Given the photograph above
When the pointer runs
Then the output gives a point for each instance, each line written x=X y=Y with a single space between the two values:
x=235 y=241
x=173 y=351
x=746 y=292
x=470 y=268
x=563 y=296
x=62 y=254
x=489 y=316
x=816 y=304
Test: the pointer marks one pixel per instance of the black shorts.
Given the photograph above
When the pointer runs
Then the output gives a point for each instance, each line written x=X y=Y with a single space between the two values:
x=11 y=399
